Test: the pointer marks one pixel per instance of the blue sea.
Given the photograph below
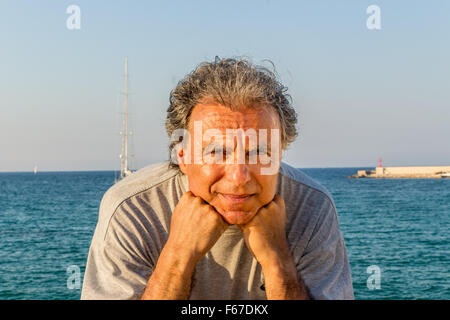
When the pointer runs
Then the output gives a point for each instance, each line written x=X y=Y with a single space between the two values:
x=396 y=232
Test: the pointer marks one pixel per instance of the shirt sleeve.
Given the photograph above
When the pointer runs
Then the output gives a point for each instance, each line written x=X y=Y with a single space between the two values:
x=324 y=266
x=118 y=265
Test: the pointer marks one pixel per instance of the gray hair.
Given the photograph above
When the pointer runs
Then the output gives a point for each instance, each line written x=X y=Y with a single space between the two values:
x=231 y=83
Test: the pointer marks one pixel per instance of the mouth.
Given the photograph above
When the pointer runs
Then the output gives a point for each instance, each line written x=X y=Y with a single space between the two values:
x=235 y=198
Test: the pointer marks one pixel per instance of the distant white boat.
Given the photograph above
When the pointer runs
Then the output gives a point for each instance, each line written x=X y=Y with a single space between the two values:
x=35 y=169
x=445 y=175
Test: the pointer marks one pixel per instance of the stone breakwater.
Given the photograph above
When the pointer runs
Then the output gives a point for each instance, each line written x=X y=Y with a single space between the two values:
x=405 y=172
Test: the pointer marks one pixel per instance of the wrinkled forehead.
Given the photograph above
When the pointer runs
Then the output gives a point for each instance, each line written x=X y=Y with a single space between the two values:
x=216 y=116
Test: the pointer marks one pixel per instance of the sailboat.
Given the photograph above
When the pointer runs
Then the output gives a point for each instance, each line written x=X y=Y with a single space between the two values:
x=35 y=170
x=124 y=157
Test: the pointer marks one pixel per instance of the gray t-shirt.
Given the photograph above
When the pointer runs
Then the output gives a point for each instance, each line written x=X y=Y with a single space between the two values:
x=134 y=224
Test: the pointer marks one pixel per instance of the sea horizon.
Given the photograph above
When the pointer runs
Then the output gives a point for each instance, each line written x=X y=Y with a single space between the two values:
x=306 y=167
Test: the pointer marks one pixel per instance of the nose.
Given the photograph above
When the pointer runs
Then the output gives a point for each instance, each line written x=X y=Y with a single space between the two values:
x=238 y=174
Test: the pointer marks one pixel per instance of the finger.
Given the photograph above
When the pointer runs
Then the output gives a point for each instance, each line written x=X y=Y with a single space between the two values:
x=188 y=195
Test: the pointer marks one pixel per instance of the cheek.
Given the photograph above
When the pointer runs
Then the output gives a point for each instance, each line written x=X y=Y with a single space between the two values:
x=269 y=185
x=201 y=178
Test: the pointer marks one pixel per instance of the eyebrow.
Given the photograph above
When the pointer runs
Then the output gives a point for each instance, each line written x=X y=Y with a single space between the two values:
x=212 y=145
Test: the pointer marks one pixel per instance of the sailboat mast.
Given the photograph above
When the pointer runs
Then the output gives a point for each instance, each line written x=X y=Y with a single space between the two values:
x=124 y=155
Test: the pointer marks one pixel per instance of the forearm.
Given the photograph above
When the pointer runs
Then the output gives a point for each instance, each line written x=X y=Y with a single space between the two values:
x=171 y=279
x=282 y=281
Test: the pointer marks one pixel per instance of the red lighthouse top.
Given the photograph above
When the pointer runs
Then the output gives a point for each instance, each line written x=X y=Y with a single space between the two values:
x=379 y=162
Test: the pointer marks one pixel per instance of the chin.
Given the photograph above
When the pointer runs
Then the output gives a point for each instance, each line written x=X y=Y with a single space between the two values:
x=237 y=217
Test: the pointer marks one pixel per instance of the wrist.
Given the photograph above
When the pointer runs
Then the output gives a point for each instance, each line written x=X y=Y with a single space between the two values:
x=275 y=256
x=179 y=262
x=278 y=263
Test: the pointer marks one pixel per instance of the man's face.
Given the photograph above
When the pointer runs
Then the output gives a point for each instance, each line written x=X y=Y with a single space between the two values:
x=236 y=189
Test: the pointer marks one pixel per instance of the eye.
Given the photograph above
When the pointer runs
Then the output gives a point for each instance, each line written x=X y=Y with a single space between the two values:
x=253 y=152
x=264 y=151
x=228 y=151
x=211 y=149
x=215 y=152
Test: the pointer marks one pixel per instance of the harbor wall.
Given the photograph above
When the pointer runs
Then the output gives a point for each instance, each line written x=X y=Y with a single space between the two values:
x=405 y=172
x=412 y=170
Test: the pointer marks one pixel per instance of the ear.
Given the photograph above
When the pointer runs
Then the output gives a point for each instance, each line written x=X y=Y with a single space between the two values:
x=180 y=159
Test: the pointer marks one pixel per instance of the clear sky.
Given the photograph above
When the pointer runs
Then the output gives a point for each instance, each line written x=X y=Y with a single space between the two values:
x=360 y=94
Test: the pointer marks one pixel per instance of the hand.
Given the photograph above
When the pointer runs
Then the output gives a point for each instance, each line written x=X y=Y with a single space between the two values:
x=195 y=227
x=265 y=234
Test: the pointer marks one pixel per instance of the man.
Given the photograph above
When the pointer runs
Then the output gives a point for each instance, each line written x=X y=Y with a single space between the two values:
x=225 y=219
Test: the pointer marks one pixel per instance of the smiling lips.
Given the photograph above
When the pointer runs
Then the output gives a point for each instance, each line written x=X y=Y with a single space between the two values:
x=236 y=198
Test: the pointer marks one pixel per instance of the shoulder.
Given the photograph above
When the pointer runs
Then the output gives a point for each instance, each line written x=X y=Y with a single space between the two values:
x=141 y=180
x=139 y=184
x=310 y=207
x=297 y=185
